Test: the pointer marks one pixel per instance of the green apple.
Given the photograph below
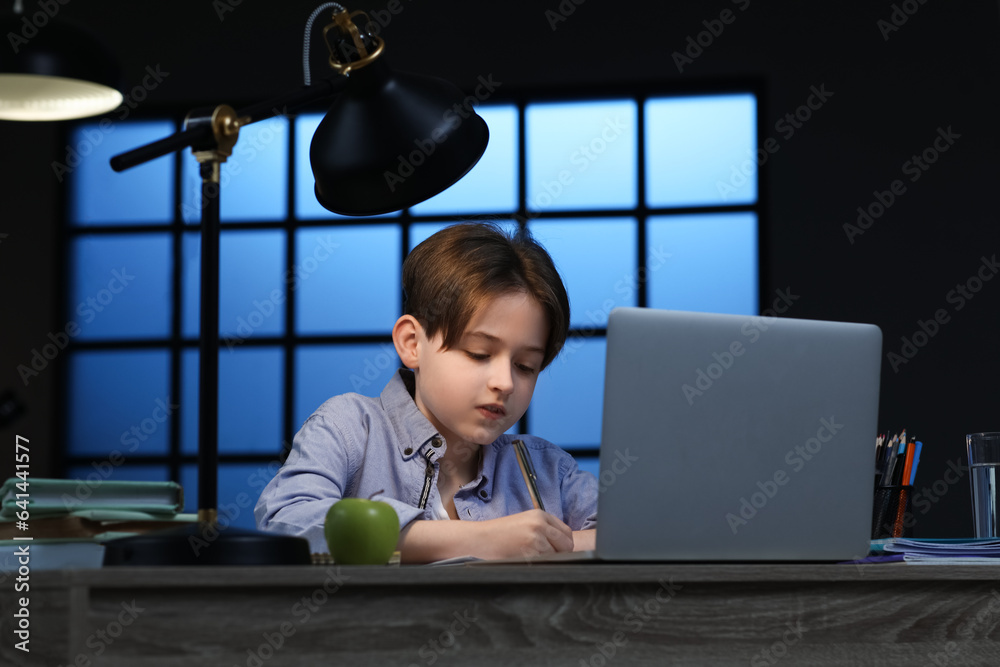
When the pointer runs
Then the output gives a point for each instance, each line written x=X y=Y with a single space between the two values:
x=361 y=531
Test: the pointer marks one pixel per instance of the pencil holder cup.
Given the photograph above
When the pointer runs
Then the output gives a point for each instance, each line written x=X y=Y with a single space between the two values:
x=892 y=514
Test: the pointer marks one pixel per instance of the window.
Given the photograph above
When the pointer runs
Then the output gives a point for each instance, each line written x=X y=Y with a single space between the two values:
x=642 y=201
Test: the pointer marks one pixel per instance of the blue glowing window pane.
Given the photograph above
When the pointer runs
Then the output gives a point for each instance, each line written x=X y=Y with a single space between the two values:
x=119 y=401
x=189 y=401
x=306 y=205
x=253 y=285
x=597 y=262
x=238 y=490
x=101 y=470
x=567 y=406
x=191 y=284
x=251 y=383
x=421 y=231
x=347 y=279
x=718 y=250
x=589 y=464
x=701 y=150
x=98 y=195
x=325 y=371
x=491 y=185
x=251 y=388
x=582 y=155
x=121 y=286
x=253 y=181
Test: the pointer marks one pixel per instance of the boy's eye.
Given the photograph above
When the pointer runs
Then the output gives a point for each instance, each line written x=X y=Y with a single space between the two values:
x=476 y=356
x=526 y=369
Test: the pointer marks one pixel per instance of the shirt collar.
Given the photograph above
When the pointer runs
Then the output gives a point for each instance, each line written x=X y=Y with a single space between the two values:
x=415 y=433
x=413 y=430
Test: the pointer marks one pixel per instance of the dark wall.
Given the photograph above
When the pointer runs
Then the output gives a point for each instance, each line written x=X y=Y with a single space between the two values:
x=29 y=207
x=895 y=78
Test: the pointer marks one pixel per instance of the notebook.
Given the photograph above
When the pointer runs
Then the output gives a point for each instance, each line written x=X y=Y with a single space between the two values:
x=737 y=438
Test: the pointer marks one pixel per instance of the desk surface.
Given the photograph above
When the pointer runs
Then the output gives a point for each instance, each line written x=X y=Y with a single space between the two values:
x=485 y=573
x=553 y=614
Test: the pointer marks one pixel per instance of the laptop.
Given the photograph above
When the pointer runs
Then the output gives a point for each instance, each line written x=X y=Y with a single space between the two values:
x=737 y=438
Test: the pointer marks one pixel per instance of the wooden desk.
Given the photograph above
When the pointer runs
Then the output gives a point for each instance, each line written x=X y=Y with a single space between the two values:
x=570 y=614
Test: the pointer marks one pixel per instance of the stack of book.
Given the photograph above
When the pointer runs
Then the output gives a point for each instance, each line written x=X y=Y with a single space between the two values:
x=64 y=523
x=940 y=550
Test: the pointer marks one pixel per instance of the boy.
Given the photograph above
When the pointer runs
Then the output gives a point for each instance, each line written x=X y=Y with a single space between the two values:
x=485 y=313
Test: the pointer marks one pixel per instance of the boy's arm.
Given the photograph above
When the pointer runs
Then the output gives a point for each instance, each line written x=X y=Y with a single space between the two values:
x=519 y=535
x=316 y=474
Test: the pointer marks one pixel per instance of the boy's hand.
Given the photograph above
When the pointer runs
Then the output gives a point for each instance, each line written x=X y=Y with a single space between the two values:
x=525 y=534
x=521 y=535
x=585 y=540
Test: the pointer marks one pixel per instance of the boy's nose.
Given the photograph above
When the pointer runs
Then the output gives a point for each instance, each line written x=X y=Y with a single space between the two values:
x=501 y=378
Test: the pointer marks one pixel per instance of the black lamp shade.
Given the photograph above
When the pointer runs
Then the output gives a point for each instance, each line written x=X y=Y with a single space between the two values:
x=54 y=70
x=392 y=140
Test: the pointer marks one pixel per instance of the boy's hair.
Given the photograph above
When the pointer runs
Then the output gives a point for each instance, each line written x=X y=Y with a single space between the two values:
x=449 y=276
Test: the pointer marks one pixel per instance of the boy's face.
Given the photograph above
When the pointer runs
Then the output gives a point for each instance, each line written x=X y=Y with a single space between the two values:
x=476 y=390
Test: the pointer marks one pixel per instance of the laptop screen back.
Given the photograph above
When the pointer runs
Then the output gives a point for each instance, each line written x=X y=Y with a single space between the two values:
x=730 y=437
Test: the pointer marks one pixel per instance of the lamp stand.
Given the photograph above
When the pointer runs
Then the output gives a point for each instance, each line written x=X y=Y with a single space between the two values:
x=206 y=542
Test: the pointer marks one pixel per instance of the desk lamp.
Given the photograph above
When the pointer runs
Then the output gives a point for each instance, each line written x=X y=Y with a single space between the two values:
x=377 y=116
x=53 y=70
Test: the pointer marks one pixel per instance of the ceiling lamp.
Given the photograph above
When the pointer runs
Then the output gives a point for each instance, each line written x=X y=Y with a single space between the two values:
x=53 y=70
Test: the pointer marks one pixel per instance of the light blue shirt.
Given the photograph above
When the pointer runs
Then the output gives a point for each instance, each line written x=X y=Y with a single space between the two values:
x=355 y=446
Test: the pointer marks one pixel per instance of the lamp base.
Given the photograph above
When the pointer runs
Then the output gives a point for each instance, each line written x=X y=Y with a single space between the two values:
x=207 y=544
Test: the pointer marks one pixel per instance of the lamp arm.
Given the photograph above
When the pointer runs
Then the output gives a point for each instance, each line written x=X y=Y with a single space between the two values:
x=202 y=134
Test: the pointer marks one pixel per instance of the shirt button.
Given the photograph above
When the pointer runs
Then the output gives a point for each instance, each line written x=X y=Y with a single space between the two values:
x=408 y=451
x=436 y=442
x=482 y=493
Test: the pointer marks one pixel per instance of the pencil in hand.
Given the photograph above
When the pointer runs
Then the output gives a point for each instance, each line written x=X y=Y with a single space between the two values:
x=528 y=471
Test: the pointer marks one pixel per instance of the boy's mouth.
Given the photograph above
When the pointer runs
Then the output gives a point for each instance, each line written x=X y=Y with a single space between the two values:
x=492 y=411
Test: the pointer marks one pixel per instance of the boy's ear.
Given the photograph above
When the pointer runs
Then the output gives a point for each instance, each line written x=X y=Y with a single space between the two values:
x=405 y=336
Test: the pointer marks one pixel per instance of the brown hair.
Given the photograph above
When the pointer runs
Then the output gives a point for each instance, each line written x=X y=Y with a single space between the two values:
x=452 y=274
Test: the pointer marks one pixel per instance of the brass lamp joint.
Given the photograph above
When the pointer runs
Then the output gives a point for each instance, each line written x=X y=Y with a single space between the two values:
x=343 y=23
x=226 y=131
x=209 y=516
